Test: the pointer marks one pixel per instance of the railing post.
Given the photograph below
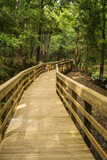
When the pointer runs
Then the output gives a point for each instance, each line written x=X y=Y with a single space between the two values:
x=14 y=89
x=44 y=68
x=50 y=67
x=10 y=105
x=7 y=98
x=71 y=65
x=87 y=124
x=67 y=89
x=61 y=68
x=28 y=80
x=18 y=93
x=33 y=75
x=56 y=84
x=1 y=136
x=74 y=95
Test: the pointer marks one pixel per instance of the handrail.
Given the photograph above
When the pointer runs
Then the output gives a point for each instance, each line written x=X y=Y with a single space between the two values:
x=68 y=89
x=12 y=90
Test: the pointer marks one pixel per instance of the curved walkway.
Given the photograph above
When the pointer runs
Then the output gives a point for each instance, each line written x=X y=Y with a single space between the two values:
x=41 y=128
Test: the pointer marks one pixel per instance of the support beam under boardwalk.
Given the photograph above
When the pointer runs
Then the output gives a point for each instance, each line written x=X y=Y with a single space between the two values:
x=41 y=128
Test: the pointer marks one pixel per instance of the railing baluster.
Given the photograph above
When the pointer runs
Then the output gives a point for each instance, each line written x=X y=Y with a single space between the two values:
x=62 y=68
x=9 y=107
x=14 y=89
x=74 y=95
x=88 y=108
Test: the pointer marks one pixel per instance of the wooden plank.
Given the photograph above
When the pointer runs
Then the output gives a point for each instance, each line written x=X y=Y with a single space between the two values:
x=41 y=128
x=11 y=110
x=87 y=123
x=7 y=86
x=8 y=96
x=74 y=95
x=7 y=118
x=20 y=80
x=11 y=98
x=91 y=138
x=102 y=131
x=15 y=97
x=96 y=100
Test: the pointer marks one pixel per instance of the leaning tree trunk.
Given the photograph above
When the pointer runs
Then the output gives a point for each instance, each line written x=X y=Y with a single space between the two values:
x=102 y=53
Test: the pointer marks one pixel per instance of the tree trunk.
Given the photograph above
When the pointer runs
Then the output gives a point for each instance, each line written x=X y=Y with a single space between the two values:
x=102 y=53
x=39 y=39
x=20 y=3
x=31 y=52
x=16 y=3
x=76 y=49
x=38 y=54
x=49 y=40
x=50 y=34
x=86 y=60
x=43 y=47
x=40 y=32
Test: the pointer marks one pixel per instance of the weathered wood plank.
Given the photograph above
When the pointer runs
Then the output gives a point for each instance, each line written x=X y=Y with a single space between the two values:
x=96 y=100
x=87 y=123
x=89 y=117
x=91 y=138
x=41 y=128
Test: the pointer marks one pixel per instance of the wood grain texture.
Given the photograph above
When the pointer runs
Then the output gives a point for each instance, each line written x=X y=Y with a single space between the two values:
x=85 y=113
x=89 y=135
x=41 y=129
x=95 y=99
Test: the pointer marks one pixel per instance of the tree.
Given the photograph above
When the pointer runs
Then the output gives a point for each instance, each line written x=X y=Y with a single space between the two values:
x=50 y=30
x=103 y=46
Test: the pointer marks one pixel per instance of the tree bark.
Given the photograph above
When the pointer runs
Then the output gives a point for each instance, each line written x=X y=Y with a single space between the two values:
x=16 y=3
x=39 y=39
x=51 y=32
x=40 y=32
x=43 y=47
x=49 y=40
x=76 y=48
x=102 y=53
x=86 y=60
x=31 y=52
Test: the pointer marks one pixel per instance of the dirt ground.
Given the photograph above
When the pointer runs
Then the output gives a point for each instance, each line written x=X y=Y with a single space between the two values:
x=81 y=77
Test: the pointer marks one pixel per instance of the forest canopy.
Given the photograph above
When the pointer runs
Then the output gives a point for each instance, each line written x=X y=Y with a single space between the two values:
x=50 y=30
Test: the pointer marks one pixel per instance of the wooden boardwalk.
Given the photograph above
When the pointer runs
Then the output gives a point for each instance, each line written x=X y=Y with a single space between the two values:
x=41 y=128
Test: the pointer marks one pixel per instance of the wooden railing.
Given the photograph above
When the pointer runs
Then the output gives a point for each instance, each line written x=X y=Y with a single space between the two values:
x=12 y=90
x=64 y=67
x=68 y=89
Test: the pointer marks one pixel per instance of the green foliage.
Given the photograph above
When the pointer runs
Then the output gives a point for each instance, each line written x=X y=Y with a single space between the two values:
x=53 y=29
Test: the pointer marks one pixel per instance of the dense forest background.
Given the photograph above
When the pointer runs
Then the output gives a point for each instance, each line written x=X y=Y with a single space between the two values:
x=50 y=30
